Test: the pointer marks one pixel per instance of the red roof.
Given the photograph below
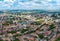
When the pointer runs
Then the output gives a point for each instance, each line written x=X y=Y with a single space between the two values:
x=31 y=38
x=45 y=33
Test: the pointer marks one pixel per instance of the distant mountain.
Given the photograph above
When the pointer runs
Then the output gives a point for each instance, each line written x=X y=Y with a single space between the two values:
x=1 y=12
x=36 y=10
x=26 y=11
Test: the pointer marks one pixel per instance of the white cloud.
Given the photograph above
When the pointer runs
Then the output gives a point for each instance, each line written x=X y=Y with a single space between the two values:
x=43 y=5
x=9 y=0
x=33 y=4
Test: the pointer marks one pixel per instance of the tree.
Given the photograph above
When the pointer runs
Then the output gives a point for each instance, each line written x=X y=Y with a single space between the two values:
x=18 y=35
x=7 y=23
x=41 y=36
x=1 y=40
x=12 y=32
x=16 y=39
x=57 y=39
x=51 y=26
x=24 y=30
x=36 y=23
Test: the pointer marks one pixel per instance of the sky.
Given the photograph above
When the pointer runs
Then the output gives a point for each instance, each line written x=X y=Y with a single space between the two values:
x=51 y=5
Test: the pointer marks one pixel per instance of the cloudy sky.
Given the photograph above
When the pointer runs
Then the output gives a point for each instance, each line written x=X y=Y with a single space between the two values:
x=30 y=4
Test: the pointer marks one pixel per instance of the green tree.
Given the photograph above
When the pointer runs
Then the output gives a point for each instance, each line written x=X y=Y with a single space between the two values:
x=36 y=23
x=24 y=30
x=1 y=40
x=18 y=35
x=7 y=23
x=57 y=39
x=12 y=32
x=51 y=26
x=41 y=36
x=16 y=39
